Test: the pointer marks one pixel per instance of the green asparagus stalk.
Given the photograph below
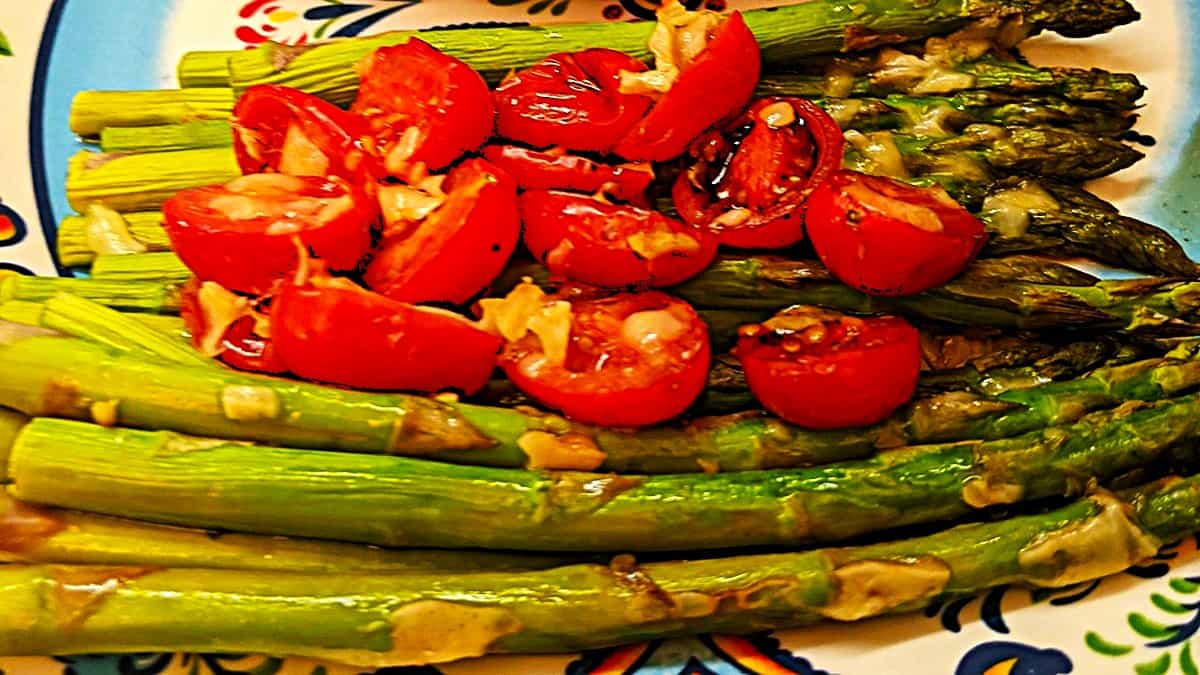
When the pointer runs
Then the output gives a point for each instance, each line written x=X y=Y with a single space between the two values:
x=81 y=318
x=872 y=76
x=204 y=69
x=982 y=150
x=1021 y=213
x=397 y=501
x=75 y=249
x=404 y=620
x=946 y=116
x=1025 y=268
x=1151 y=306
x=35 y=534
x=162 y=298
x=160 y=266
x=167 y=137
x=94 y=111
x=142 y=182
x=11 y=423
x=784 y=33
x=33 y=314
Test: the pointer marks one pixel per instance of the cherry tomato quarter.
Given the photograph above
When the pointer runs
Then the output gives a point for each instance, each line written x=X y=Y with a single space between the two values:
x=711 y=85
x=449 y=245
x=823 y=370
x=231 y=328
x=612 y=245
x=331 y=330
x=889 y=238
x=422 y=106
x=549 y=170
x=572 y=100
x=284 y=130
x=627 y=360
x=241 y=234
x=749 y=181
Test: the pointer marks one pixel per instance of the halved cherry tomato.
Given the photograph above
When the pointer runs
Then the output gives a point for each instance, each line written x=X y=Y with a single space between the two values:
x=571 y=100
x=611 y=245
x=284 y=130
x=422 y=106
x=548 y=170
x=750 y=180
x=334 y=331
x=239 y=344
x=885 y=237
x=626 y=360
x=824 y=370
x=713 y=86
x=453 y=252
x=241 y=234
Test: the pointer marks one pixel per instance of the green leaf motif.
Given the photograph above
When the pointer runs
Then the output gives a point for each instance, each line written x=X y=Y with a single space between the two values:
x=1104 y=647
x=1148 y=628
x=1158 y=666
x=1184 y=586
x=5 y=47
x=1186 y=663
x=1168 y=605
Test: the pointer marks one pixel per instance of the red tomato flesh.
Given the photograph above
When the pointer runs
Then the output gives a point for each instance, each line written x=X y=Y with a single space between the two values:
x=340 y=333
x=284 y=130
x=749 y=181
x=823 y=370
x=889 y=238
x=572 y=100
x=422 y=106
x=241 y=347
x=458 y=249
x=631 y=360
x=715 y=86
x=242 y=234
x=549 y=170
x=611 y=245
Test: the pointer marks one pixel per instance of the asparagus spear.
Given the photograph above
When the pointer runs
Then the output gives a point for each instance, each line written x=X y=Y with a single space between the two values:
x=74 y=248
x=78 y=317
x=35 y=534
x=11 y=423
x=33 y=314
x=1071 y=221
x=373 y=620
x=784 y=33
x=946 y=116
x=1151 y=306
x=874 y=75
x=162 y=298
x=984 y=149
x=160 y=266
x=397 y=501
x=142 y=182
x=167 y=137
x=94 y=111
x=204 y=69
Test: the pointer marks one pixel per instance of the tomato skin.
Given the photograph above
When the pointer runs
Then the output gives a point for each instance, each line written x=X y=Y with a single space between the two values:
x=413 y=85
x=714 y=87
x=606 y=380
x=247 y=254
x=881 y=254
x=833 y=386
x=572 y=100
x=458 y=249
x=347 y=335
x=265 y=112
x=540 y=170
x=756 y=174
x=585 y=240
x=242 y=347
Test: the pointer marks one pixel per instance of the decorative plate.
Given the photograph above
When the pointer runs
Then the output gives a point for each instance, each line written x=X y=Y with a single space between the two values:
x=1140 y=622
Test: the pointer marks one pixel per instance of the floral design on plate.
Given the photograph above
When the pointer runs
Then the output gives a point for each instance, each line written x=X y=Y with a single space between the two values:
x=296 y=22
x=12 y=226
x=5 y=47
x=703 y=655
